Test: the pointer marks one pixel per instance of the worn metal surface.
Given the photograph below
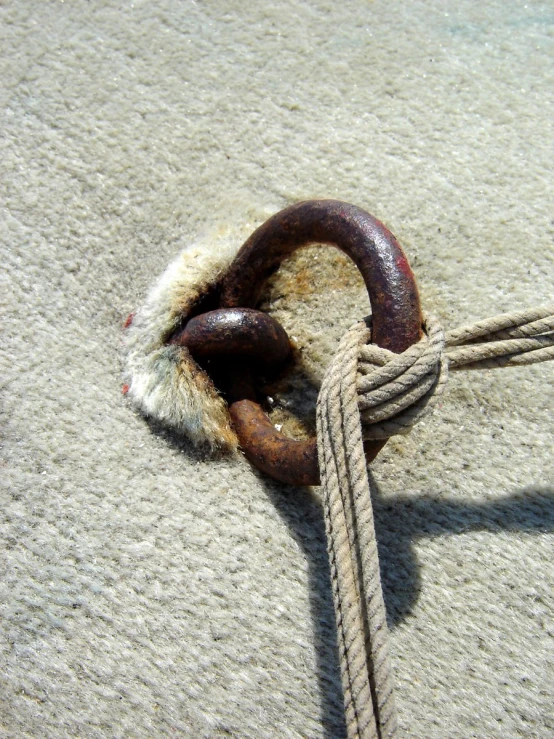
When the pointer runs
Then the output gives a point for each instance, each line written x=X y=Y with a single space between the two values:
x=236 y=332
x=287 y=460
x=371 y=246
x=247 y=337
x=392 y=291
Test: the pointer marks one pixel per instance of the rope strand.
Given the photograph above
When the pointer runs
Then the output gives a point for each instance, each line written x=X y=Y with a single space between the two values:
x=357 y=593
x=372 y=393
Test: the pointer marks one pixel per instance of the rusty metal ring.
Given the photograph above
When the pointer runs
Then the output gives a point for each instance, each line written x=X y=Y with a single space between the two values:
x=392 y=293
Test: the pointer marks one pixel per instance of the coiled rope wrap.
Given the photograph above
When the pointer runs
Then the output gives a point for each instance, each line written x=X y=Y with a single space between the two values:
x=371 y=393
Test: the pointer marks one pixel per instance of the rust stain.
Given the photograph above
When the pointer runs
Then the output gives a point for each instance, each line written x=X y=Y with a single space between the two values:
x=314 y=270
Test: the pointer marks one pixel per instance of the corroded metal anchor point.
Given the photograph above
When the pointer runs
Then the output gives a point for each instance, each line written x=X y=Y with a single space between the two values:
x=393 y=295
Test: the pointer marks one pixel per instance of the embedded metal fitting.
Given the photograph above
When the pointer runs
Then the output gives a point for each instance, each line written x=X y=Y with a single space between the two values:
x=393 y=294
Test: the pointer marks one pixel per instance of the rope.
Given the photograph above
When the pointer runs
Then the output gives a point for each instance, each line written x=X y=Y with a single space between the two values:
x=372 y=393
x=397 y=390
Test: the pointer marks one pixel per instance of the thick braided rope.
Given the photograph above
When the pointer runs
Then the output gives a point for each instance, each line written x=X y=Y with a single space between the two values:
x=370 y=389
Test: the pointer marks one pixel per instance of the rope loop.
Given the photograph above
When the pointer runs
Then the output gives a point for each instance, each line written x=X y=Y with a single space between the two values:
x=395 y=391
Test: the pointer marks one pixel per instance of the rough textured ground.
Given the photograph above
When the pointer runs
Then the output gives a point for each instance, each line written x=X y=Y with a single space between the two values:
x=148 y=592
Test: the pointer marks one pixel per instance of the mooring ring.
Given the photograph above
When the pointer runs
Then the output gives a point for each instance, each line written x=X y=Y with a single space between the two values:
x=392 y=291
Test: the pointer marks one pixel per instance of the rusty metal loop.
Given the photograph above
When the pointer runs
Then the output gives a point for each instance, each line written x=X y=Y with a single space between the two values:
x=392 y=293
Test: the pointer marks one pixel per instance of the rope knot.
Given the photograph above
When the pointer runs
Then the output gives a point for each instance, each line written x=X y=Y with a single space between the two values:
x=396 y=390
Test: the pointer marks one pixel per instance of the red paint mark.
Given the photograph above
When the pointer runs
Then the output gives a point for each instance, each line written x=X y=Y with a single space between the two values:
x=129 y=320
x=403 y=266
x=125 y=389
